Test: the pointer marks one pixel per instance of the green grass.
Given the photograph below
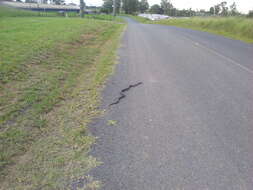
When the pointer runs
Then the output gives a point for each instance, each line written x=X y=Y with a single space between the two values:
x=103 y=17
x=51 y=73
x=12 y=12
x=239 y=28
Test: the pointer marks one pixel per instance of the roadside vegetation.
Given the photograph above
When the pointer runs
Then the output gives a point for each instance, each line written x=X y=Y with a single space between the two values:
x=51 y=74
x=13 y=12
x=239 y=28
x=221 y=18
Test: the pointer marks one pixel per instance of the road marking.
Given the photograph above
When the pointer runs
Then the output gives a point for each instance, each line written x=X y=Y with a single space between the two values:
x=220 y=55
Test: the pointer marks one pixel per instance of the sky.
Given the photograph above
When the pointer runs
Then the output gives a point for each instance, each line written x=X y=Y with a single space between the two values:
x=242 y=5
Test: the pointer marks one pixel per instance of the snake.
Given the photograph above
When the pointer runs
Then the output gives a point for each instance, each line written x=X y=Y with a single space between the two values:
x=122 y=95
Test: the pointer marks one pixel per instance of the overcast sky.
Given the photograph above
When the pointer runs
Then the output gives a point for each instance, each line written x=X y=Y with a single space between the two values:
x=242 y=5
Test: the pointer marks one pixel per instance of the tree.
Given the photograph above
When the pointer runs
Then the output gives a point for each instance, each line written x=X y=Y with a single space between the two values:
x=224 y=8
x=211 y=10
x=143 y=6
x=217 y=9
x=108 y=6
x=156 y=9
x=250 y=14
x=191 y=12
x=233 y=9
x=174 y=12
x=130 y=6
x=166 y=7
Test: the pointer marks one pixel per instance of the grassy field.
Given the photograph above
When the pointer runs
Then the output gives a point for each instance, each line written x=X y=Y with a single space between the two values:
x=12 y=12
x=51 y=73
x=239 y=28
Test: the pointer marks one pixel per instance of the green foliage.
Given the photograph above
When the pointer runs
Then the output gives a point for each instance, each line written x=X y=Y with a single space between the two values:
x=130 y=6
x=143 y=6
x=239 y=28
x=222 y=9
x=156 y=9
x=166 y=7
x=233 y=10
x=108 y=6
x=211 y=10
x=250 y=14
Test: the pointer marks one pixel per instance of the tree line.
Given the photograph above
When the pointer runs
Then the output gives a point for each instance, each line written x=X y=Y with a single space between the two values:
x=167 y=8
x=126 y=6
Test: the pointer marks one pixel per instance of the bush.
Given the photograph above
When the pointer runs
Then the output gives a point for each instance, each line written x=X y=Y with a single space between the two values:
x=250 y=14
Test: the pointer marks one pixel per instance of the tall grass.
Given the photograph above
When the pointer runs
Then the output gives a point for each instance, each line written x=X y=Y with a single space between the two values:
x=103 y=17
x=240 y=28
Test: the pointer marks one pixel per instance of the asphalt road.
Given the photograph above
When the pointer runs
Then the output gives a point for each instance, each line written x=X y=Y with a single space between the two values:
x=189 y=126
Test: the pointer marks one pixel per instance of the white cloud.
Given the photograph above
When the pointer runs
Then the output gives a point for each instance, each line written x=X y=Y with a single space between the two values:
x=242 y=5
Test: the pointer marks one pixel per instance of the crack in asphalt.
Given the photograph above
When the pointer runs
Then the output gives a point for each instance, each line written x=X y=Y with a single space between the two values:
x=122 y=95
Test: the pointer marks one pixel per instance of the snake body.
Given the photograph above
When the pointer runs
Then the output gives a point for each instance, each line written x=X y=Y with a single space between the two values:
x=122 y=95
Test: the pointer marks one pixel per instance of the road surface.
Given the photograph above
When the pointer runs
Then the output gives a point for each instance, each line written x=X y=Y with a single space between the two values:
x=189 y=125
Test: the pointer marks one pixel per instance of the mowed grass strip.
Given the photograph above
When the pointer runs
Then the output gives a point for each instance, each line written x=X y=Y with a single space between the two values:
x=51 y=72
x=239 y=28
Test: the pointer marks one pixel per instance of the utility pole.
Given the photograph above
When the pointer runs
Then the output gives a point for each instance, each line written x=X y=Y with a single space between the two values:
x=81 y=8
x=114 y=7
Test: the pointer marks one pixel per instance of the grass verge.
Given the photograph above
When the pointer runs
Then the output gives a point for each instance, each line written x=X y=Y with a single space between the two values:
x=238 y=28
x=52 y=70
x=14 y=12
